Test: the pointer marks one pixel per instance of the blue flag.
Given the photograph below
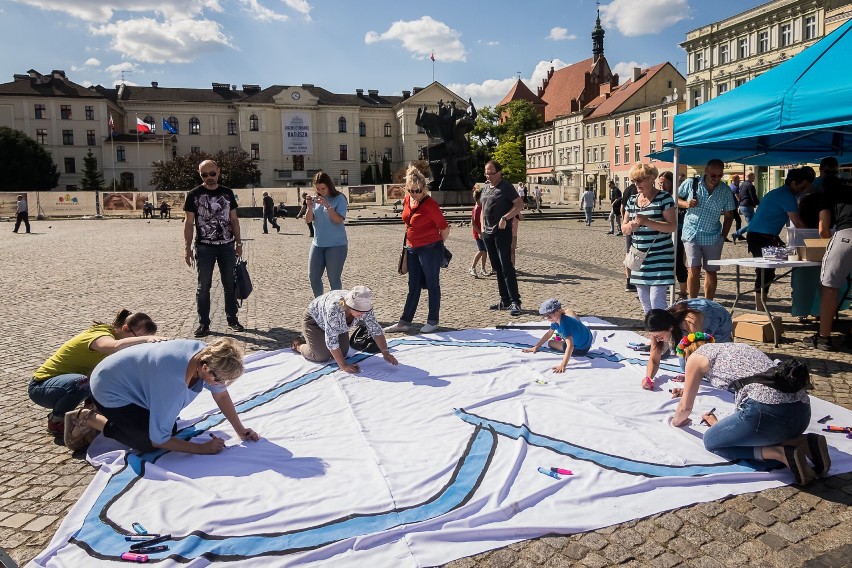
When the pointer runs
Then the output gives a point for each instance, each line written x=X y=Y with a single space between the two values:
x=168 y=127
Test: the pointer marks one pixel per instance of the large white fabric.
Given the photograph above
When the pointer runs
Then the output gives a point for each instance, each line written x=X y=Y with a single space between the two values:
x=415 y=465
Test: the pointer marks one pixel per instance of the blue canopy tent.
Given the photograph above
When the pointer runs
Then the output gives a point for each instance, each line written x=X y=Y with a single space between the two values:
x=799 y=111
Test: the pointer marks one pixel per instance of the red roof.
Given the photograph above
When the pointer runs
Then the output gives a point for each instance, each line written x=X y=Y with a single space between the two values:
x=563 y=86
x=624 y=92
x=520 y=91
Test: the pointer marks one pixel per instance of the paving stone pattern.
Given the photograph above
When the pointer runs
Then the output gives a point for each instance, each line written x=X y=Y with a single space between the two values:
x=68 y=273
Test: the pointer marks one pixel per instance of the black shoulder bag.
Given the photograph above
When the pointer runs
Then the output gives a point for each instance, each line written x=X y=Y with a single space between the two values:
x=790 y=376
x=242 y=281
x=361 y=340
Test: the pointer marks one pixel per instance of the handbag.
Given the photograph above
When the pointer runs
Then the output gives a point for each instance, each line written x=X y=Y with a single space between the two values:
x=789 y=376
x=361 y=340
x=402 y=264
x=448 y=256
x=242 y=281
x=634 y=258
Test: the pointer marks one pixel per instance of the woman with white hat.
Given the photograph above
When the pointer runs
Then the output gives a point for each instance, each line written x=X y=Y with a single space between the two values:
x=327 y=322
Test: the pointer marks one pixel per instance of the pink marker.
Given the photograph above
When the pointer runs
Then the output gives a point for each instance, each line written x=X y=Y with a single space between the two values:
x=561 y=471
x=134 y=557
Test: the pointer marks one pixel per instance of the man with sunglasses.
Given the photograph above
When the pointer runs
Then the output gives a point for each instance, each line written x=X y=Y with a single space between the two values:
x=211 y=213
x=705 y=200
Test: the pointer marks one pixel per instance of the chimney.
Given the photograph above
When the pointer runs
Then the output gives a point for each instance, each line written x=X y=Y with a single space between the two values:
x=58 y=74
x=373 y=92
x=637 y=73
x=154 y=84
x=359 y=92
x=406 y=94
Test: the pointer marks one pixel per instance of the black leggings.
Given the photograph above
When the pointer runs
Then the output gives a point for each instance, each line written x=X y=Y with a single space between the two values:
x=129 y=425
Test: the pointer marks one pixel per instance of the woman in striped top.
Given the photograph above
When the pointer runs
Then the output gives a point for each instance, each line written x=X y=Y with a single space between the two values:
x=650 y=217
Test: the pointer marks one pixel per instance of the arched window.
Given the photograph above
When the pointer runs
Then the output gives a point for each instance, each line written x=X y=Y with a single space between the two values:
x=362 y=129
x=150 y=120
x=254 y=123
x=232 y=127
x=387 y=129
x=341 y=124
x=194 y=126
x=173 y=122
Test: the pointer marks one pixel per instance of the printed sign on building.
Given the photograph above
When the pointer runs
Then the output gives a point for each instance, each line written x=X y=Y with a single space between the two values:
x=296 y=130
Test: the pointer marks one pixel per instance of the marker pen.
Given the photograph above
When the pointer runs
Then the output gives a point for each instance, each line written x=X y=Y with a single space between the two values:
x=824 y=419
x=140 y=537
x=704 y=420
x=552 y=474
x=139 y=528
x=840 y=429
x=134 y=557
x=152 y=549
x=562 y=471
x=150 y=542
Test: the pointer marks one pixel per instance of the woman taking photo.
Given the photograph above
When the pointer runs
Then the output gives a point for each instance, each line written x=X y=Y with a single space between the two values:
x=140 y=392
x=667 y=327
x=767 y=424
x=327 y=212
x=62 y=382
x=327 y=322
x=425 y=233
x=650 y=219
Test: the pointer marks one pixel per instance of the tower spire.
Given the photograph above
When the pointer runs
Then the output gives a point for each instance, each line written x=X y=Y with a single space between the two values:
x=598 y=36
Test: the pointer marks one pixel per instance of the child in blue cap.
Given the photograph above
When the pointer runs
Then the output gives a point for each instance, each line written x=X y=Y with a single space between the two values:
x=572 y=335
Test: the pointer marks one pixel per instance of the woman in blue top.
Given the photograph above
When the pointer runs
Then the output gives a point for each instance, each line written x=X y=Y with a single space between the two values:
x=574 y=337
x=327 y=212
x=667 y=327
x=140 y=391
x=650 y=218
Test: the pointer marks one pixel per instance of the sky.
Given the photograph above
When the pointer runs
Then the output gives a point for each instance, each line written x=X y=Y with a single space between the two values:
x=480 y=48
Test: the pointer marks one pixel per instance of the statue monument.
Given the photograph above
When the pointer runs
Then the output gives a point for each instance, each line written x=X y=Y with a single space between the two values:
x=448 y=150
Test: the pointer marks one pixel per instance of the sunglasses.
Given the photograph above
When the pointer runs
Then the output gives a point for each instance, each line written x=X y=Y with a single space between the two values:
x=415 y=191
x=208 y=174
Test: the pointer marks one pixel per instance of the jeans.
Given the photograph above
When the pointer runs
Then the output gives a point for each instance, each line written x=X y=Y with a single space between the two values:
x=61 y=393
x=755 y=425
x=748 y=213
x=499 y=247
x=271 y=217
x=652 y=297
x=614 y=222
x=424 y=271
x=588 y=211
x=205 y=257
x=329 y=260
x=22 y=218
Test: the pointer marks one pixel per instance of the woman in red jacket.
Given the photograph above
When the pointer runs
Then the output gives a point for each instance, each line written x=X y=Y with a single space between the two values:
x=426 y=230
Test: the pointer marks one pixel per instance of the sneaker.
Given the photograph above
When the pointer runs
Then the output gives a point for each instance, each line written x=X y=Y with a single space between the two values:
x=514 y=309
x=278 y=229
x=472 y=272
x=428 y=328
x=498 y=306
x=55 y=427
x=816 y=341
x=236 y=325
x=630 y=288
x=77 y=431
x=610 y=232
x=203 y=330
x=398 y=327
x=484 y=272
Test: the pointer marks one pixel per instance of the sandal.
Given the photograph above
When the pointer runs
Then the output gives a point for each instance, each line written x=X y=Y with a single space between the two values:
x=818 y=447
x=798 y=464
x=648 y=383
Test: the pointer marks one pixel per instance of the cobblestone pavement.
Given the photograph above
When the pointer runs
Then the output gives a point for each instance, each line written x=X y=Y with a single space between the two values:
x=67 y=273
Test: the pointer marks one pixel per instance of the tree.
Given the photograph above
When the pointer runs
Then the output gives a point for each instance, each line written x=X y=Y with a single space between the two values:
x=522 y=118
x=422 y=165
x=181 y=173
x=24 y=163
x=386 y=170
x=93 y=179
x=367 y=178
x=511 y=156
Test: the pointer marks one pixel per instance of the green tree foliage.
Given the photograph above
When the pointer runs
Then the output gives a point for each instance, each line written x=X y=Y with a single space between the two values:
x=181 y=173
x=510 y=154
x=92 y=179
x=489 y=134
x=367 y=178
x=386 y=170
x=522 y=118
x=24 y=163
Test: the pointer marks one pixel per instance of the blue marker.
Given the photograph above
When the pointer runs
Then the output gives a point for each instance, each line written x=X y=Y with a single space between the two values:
x=139 y=528
x=549 y=473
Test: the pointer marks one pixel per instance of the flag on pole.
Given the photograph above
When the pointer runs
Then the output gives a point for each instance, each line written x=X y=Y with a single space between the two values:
x=168 y=127
x=111 y=124
x=142 y=126
x=432 y=57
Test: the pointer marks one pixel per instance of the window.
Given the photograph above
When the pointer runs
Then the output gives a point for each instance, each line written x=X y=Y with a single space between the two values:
x=363 y=155
x=120 y=154
x=588 y=131
x=636 y=123
x=638 y=153
x=742 y=53
x=90 y=113
x=232 y=126
x=596 y=130
x=254 y=123
x=362 y=129
x=785 y=36
x=195 y=149
x=41 y=135
x=617 y=128
x=344 y=152
x=653 y=146
x=603 y=129
x=696 y=97
x=344 y=175
x=388 y=155
x=173 y=122
x=149 y=120
x=739 y=83
x=653 y=126
x=595 y=154
x=387 y=129
x=560 y=136
x=232 y=150
x=626 y=182
x=68 y=137
x=576 y=154
x=341 y=125
x=626 y=154
x=665 y=119
x=255 y=151
x=298 y=163
x=588 y=155
x=90 y=138
x=810 y=27
x=724 y=54
x=698 y=61
x=576 y=132
x=40 y=111
x=762 y=42
x=626 y=126
x=195 y=126
x=65 y=112
x=70 y=166
x=617 y=156
x=721 y=89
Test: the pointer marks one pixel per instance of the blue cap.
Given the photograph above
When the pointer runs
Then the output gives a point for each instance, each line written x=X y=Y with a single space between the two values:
x=549 y=306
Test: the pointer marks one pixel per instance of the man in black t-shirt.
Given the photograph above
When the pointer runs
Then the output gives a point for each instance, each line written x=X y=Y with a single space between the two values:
x=211 y=213
x=615 y=210
x=629 y=193
x=269 y=213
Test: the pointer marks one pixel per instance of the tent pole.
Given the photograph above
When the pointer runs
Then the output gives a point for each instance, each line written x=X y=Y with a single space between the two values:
x=675 y=235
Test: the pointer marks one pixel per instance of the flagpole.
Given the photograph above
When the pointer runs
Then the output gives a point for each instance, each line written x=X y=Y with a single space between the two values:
x=138 y=158
x=112 y=139
x=163 y=121
x=433 y=65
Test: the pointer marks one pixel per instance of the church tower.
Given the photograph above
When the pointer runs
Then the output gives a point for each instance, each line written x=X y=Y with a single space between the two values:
x=597 y=39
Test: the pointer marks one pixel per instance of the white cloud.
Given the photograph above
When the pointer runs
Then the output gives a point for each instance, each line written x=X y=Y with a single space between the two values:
x=625 y=70
x=173 y=41
x=558 y=34
x=644 y=17
x=119 y=67
x=92 y=62
x=262 y=13
x=422 y=37
x=491 y=91
x=86 y=83
x=300 y=6
x=101 y=11
x=489 y=43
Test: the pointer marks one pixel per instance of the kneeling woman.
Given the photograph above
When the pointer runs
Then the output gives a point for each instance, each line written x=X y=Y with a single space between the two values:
x=327 y=322
x=668 y=326
x=767 y=425
x=139 y=393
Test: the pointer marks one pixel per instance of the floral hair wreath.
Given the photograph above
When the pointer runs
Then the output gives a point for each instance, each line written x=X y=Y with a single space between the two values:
x=692 y=338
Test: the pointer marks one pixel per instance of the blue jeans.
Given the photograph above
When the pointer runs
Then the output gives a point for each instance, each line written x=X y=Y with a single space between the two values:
x=271 y=218
x=205 y=257
x=588 y=211
x=499 y=247
x=424 y=271
x=755 y=425
x=61 y=393
x=748 y=213
x=329 y=260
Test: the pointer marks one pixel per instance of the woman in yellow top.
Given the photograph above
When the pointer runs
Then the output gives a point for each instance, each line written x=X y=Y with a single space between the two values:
x=62 y=381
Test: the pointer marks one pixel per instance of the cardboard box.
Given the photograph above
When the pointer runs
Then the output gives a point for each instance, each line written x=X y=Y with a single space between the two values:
x=813 y=250
x=756 y=327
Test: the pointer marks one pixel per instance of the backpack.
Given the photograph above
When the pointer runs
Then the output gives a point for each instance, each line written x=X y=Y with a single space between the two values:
x=361 y=340
x=789 y=376
x=242 y=281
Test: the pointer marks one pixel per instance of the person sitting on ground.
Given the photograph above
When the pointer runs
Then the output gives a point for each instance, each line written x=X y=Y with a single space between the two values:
x=62 y=382
x=767 y=425
x=573 y=337
x=326 y=327
x=667 y=328
x=140 y=392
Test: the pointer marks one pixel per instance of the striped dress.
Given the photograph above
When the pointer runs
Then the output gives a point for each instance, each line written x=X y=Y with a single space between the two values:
x=658 y=267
